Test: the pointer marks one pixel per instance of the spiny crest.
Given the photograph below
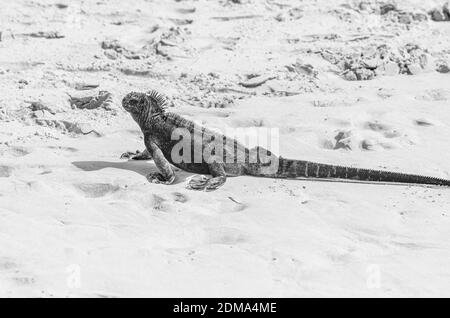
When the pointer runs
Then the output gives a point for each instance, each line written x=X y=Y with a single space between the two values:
x=158 y=100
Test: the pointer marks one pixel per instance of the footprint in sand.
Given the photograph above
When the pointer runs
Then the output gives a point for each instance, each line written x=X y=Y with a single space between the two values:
x=185 y=10
x=179 y=197
x=225 y=235
x=376 y=126
x=385 y=93
x=423 y=122
x=96 y=190
x=144 y=200
x=386 y=130
x=68 y=149
x=24 y=280
x=434 y=95
x=344 y=140
x=374 y=144
x=351 y=140
x=5 y=171
x=16 y=151
x=6 y=264
x=158 y=203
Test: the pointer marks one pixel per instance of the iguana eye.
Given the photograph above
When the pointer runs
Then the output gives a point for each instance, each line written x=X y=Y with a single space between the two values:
x=133 y=102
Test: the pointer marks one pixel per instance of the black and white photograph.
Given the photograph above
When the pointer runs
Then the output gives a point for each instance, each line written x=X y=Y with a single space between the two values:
x=224 y=149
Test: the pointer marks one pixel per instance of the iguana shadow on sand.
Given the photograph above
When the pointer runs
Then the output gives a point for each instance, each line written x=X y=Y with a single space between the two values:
x=138 y=167
x=159 y=128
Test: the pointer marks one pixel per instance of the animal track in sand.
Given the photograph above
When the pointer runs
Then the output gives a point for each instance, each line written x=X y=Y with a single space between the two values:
x=185 y=10
x=423 y=122
x=343 y=140
x=24 y=280
x=6 y=264
x=179 y=197
x=350 y=140
x=68 y=149
x=375 y=126
x=226 y=236
x=96 y=190
x=16 y=151
x=373 y=144
x=5 y=171
x=134 y=195
x=19 y=278
x=386 y=93
x=433 y=95
x=384 y=129
x=158 y=203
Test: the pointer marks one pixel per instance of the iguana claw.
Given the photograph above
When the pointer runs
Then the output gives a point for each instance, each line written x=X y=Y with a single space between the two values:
x=197 y=182
x=215 y=183
x=156 y=177
x=129 y=154
x=138 y=155
x=202 y=182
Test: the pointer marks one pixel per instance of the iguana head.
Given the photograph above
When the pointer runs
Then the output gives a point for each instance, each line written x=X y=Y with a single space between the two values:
x=144 y=106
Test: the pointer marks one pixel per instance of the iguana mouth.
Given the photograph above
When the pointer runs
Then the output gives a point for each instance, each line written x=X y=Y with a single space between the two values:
x=130 y=102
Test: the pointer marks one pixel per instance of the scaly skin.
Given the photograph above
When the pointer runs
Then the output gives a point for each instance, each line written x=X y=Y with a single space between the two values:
x=158 y=127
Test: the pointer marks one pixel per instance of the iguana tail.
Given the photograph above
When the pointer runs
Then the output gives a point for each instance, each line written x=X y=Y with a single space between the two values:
x=288 y=168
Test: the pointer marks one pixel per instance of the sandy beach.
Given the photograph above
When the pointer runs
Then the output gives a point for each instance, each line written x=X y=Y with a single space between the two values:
x=354 y=83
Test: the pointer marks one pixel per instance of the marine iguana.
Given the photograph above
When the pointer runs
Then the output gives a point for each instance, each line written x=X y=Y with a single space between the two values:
x=159 y=126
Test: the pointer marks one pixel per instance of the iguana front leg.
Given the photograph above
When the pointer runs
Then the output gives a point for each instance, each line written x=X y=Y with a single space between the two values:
x=201 y=182
x=218 y=176
x=138 y=155
x=166 y=174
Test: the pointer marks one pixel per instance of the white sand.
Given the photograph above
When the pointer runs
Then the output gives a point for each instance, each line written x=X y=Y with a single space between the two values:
x=75 y=220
